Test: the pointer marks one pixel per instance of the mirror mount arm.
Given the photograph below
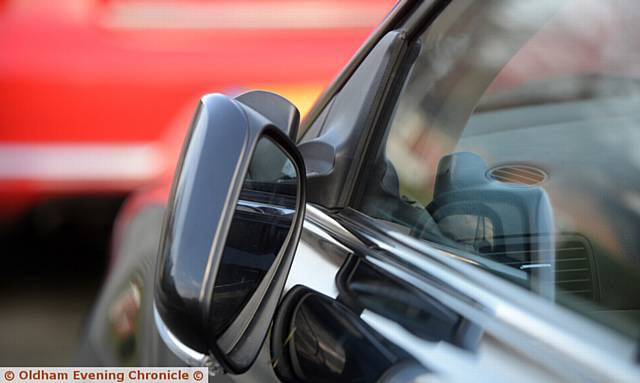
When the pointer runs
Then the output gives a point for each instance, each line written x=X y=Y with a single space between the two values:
x=280 y=111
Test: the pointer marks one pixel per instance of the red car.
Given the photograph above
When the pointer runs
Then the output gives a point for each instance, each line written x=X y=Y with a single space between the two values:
x=96 y=95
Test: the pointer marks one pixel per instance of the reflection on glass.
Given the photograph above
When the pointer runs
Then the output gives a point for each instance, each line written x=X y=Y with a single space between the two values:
x=124 y=319
x=261 y=223
x=547 y=104
x=330 y=344
x=473 y=231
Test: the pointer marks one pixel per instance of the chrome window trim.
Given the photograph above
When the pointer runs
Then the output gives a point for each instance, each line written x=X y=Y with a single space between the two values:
x=339 y=233
x=319 y=256
x=518 y=317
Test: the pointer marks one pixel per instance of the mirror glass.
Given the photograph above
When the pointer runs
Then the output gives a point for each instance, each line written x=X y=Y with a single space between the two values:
x=259 y=229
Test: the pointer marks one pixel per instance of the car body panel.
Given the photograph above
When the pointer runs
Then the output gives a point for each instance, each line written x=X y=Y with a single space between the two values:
x=507 y=333
x=324 y=248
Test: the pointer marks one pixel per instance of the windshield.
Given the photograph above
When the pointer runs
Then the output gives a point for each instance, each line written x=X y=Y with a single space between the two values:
x=514 y=141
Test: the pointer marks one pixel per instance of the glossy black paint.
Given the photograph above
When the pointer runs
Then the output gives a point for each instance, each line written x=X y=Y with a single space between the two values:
x=196 y=207
x=334 y=154
x=317 y=339
x=363 y=286
x=208 y=183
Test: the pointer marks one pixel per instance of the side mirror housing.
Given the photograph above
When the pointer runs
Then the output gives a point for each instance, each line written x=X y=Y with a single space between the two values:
x=230 y=231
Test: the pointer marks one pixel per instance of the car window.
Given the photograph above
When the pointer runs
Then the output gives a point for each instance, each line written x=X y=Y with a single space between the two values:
x=514 y=142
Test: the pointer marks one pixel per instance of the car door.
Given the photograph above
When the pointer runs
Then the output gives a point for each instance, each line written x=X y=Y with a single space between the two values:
x=433 y=247
x=462 y=177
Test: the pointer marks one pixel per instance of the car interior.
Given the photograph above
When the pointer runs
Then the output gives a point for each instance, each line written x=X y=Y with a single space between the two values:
x=515 y=168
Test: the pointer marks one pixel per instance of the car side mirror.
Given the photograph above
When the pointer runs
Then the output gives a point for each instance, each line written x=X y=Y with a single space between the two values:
x=230 y=232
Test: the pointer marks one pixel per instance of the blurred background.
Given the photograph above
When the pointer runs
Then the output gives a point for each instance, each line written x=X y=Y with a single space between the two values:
x=95 y=98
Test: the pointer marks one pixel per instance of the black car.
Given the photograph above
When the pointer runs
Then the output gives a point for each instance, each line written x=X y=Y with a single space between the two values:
x=462 y=204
